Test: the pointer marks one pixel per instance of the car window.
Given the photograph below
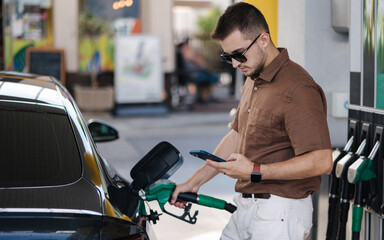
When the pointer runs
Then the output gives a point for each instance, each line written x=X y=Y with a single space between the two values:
x=37 y=149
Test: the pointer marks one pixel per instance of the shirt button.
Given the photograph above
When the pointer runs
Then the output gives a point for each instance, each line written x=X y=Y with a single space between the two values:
x=255 y=88
x=249 y=110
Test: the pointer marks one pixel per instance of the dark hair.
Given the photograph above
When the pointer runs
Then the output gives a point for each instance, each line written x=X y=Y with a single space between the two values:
x=243 y=17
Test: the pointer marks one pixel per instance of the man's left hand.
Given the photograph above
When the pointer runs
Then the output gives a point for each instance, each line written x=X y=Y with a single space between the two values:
x=237 y=166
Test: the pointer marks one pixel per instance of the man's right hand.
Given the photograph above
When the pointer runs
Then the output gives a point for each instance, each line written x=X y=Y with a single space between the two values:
x=181 y=188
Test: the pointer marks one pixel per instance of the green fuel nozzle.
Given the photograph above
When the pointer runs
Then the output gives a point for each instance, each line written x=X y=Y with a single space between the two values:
x=161 y=191
x=362 y=169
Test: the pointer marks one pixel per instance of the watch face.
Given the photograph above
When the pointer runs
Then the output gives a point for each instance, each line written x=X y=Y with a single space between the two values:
x=256 y=177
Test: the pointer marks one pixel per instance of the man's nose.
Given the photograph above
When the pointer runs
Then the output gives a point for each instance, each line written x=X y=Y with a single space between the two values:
x=235 y=63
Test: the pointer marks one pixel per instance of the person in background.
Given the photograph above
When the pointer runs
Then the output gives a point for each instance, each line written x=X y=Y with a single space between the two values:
x=279 y=144
x=193 y=68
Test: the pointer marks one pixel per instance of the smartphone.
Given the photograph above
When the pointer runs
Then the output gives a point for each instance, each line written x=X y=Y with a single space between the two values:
x=206 y=155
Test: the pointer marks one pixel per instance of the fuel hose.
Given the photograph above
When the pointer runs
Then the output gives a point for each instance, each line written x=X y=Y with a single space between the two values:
x=347 y=190
x=357 y=211
x=334 y=194
x=359 y=173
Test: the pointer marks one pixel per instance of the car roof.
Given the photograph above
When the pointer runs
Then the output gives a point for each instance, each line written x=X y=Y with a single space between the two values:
x=27 y=88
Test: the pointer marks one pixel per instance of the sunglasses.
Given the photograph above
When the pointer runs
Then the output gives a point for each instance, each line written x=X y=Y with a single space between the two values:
x=238 y=56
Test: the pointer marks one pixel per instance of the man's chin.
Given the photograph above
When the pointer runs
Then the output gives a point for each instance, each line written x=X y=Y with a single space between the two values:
x=249 y=73
x=253 y=75
x=246 y=72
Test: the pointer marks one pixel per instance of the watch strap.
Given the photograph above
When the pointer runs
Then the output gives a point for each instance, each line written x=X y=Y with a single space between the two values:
x=256 y=175
x=256 y=168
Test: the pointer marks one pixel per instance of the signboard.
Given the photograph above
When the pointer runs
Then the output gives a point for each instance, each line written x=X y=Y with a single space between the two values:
x=46 y=61
x=138 y=69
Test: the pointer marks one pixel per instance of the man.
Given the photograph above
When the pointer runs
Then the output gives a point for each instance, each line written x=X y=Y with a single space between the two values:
x=279 y=145
x=193 y=68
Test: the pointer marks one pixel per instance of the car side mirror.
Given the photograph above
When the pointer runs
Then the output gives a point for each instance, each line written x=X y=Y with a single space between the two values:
x=102 y=132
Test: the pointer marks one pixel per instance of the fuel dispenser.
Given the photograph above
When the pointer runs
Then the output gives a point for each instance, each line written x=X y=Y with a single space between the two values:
x=358 y=175
x=347 y=189
x=376 y=202
x=360 y=172
x=334 y=186
x=374 y=206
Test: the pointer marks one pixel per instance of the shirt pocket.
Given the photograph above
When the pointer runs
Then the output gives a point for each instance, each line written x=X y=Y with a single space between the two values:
x=265 y=126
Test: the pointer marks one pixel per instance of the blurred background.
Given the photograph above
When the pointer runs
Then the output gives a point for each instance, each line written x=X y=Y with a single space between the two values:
x=122 y=56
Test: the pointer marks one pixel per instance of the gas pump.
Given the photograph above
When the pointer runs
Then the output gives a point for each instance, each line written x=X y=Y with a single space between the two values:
x=334 y=186
x=358 y=173
x=374 y=208
x=376 y=202
x=347 y=189
x=362 y=177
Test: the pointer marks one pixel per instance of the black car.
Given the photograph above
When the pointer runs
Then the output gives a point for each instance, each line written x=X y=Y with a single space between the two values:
x=53 y=182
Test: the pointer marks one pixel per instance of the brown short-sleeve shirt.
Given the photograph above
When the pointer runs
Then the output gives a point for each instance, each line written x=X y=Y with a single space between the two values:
x=281 y=114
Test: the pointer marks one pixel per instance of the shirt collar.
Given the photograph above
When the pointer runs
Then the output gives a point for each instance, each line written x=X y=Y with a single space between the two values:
x=270 y=71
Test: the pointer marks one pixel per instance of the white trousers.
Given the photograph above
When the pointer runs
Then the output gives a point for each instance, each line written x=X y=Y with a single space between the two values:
x=269 y=219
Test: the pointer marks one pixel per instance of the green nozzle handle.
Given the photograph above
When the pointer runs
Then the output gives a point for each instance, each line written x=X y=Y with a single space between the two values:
x=202 y=200
x=211 y=202
x=187 y=197
x=206 y=201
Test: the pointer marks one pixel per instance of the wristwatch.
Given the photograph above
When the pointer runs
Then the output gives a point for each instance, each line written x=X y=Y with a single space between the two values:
x=256 y=175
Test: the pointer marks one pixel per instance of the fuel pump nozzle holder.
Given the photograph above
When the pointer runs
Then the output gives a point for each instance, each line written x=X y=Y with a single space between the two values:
x=361 y=169
x=348 y=159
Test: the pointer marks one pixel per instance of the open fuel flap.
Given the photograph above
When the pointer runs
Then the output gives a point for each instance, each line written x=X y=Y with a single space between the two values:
x=159 y=163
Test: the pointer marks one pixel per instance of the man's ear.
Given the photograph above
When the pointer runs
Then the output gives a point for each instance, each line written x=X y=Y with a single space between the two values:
x=265 y=39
